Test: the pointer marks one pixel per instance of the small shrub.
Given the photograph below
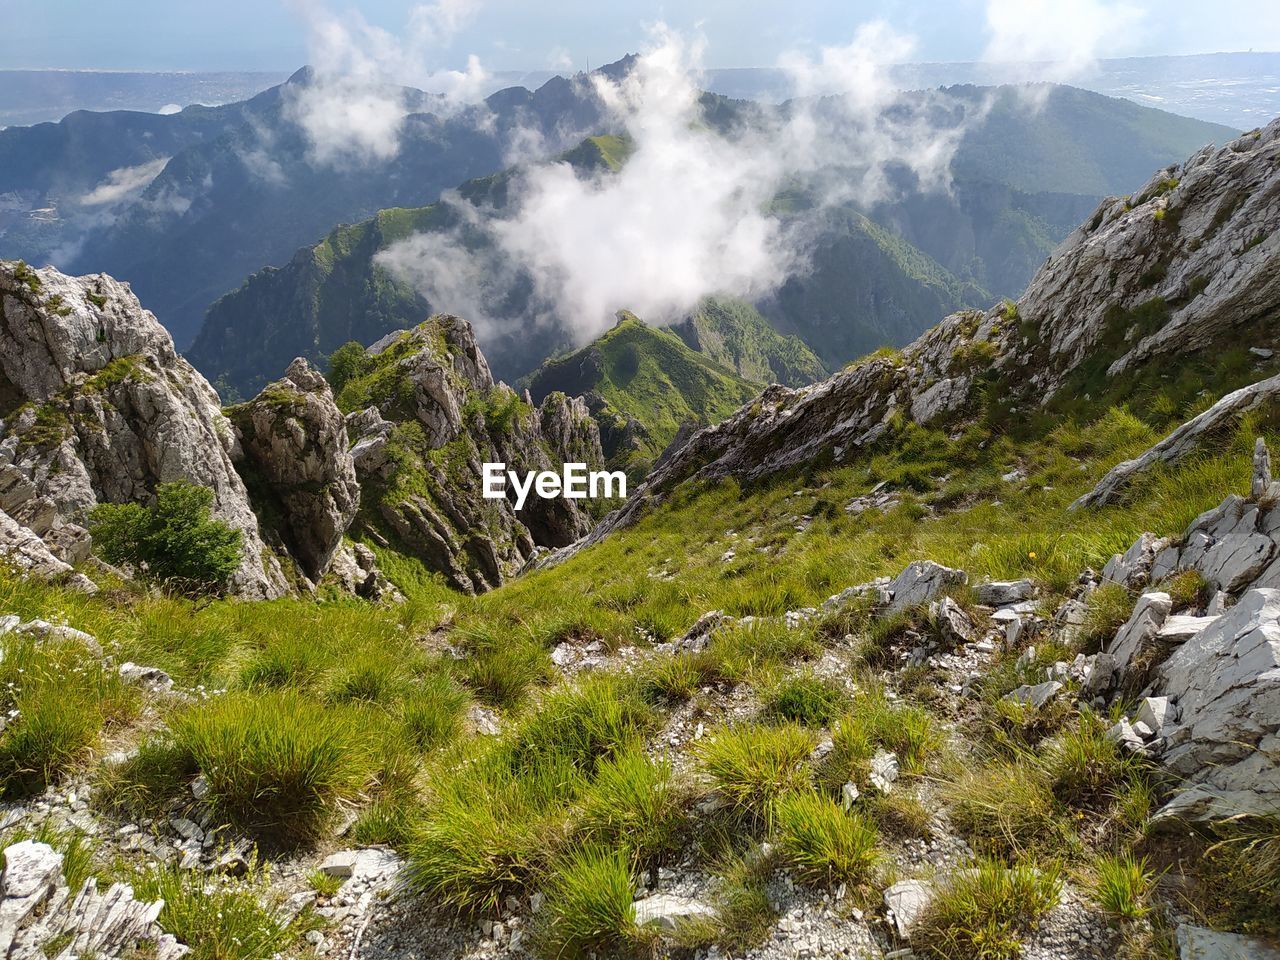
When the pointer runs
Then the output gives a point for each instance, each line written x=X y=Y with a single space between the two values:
x=633 y=801
x=806 y=699
x=754 y=766
x=1122 y=886
x=982 y=910
x=221 y=919
x=347 y=363
x=431 y=711
x=1085 y=767
x=1008 y=808
x=822 y=842
x=485 y=831
x=275 y=760
x=174 y=542
x=323 y=883
x=589 y=910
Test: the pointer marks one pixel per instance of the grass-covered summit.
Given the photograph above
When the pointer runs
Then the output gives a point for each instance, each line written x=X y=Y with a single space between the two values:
x=642 y=385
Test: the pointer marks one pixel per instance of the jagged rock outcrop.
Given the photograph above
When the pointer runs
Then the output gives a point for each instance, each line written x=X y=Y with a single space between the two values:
x=21 y=548
x=295 y=445
x=97 y=406
x=37 y=911
x=434 y=415
x=1190 y=261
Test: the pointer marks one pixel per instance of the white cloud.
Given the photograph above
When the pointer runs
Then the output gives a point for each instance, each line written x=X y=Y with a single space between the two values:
x=354 y=108
x=1067 y=37
x=125 y=183
x=169 y=109
x=688 y=215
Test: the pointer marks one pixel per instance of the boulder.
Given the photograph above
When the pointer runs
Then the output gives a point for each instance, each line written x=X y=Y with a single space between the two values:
x=921 y=582
x=1143 y=625
x=1132 y=569
x=1035 y=696
x=295 y=442
x=1000 y=593
x=666 y=911
x=1200 y=943
x=151 y=677
x=905 y=903
x=955 y=627
x=1226 y=684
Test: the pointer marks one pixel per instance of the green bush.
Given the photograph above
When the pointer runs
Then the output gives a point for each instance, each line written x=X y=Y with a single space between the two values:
x=276 y=760
x=175 y=542
x=809 y=700
x=633 y=801
x=981 y=911
x=822 y=842
x=347 y=363
x=589 y=909
x=754 y=766
x=1123 y=886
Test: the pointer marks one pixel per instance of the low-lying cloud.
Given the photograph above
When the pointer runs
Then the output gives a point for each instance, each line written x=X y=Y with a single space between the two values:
x=123 y=184
x=691 y=212
x=354 y=107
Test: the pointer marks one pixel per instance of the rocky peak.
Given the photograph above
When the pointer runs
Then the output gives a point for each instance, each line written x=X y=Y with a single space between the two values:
x=97 y=406
x=423 y=419
x=295 y=443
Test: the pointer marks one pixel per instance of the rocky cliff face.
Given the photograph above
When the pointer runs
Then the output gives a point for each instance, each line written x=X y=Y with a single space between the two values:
x=424 y=416
x=97 y=406
x=295 y=444
x=1191 y=262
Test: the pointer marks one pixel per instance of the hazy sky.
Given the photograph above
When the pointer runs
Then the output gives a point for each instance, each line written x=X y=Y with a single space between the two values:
x=505 y=34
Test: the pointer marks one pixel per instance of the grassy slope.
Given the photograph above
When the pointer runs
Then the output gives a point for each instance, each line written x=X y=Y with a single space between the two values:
x=565 y=800
x=648 y=374
x=734 y=334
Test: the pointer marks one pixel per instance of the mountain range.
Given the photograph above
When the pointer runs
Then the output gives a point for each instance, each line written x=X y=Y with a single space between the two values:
x=1021 y=177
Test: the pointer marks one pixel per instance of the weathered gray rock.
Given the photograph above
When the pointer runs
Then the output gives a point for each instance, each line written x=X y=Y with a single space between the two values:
x=1180 y=628
x=37 y=910
x=666 y=911
x=1261 y=485
x=151 y=677
x=1132 y=569
x=955 y=627
x=1143 y=625
x=1037 y=695
x=1155 y=712
x=921 y=582
x=97 y=406
x=884 y=770
x=355 y=568
x=1200 y=943
x=1000 y=593
x=905 y=903
x=1226 y=684
x=295 y=440
x=20 y=547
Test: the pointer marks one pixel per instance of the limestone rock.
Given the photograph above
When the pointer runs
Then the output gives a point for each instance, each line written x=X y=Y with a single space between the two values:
x=295 y=441
x=1000 y=593
x=954 y=625
x=1226 y=684
x=37 y=910
x=1200 y=943
x=1143 y=625
x=921 y=582
x=29 y=554
x=1036 y=696
x=97 y=406
x=666 y=911
x=1132 y=569
x=905 y=902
